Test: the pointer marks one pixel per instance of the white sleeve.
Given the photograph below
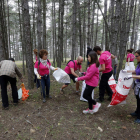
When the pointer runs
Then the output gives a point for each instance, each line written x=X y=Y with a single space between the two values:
x=52 y=68
x=35 y=71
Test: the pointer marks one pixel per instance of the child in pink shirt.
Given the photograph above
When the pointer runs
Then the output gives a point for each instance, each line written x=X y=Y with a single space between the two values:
x=91 y=79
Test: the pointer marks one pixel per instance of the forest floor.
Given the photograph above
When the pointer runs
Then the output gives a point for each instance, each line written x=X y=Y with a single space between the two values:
x=61 y=117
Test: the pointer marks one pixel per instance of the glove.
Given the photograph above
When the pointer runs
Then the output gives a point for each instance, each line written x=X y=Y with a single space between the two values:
x=128 y=63
x=124 y=71
x=55 y=68
x=38 y=76
x=130 y=76
x=76 y=79
x=81 y=73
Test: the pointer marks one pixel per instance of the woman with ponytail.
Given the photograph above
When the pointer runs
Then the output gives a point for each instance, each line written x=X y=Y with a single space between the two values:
x=91 y=79
x=35 y=52
x=130 y=60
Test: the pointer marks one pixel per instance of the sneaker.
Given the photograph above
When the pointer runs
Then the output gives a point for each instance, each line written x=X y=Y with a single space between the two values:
x=137 y=121
x=88 y=111
x=48 y=96
x=15 y=104
x=78 y=92
x=61 y=91
x=96 y=107
x=134 y=114
x=99 y=99
x=44 y=100
x=5 y=108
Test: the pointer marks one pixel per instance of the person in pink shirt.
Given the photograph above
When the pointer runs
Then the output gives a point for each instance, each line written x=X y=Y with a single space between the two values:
x=42 y=70
x=91 y=79
x=71 y=67
x=130 y=60
x=35 y=52
x=105 y=61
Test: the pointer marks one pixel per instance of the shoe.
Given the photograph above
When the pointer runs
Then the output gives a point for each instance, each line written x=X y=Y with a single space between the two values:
x=109 y=99
x=48 y=96
x=61 y=91
x=99 y=99
x=15 y=104
x=96 y=107
x=44 y=100
x=88 y=111
x=5 y=108
x=137 y=121
x=78 y=92
x=134 y=114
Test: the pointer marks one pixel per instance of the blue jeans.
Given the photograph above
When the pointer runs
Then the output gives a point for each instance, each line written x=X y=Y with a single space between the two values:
x=37 y=81
x=45 y=81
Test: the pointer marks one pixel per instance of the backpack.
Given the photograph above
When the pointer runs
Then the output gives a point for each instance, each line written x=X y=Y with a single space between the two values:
x=72 y=61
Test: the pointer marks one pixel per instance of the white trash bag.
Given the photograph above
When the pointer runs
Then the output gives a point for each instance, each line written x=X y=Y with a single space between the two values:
x=20 y=93
x=61 y=76
x=129 y=66
x=122 y=89
x=83 y=88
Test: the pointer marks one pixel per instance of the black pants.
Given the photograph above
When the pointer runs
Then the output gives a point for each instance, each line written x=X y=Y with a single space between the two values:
x=87 y=95
x=104 y=85
x=138 y=106
x=4 y=81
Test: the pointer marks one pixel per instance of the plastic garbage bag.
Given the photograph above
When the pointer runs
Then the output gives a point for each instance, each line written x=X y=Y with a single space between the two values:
x=61 y=76
x=129 y=66
x=112 y=84
x=20 y=93
x=122 y=89
x=83 y=88
x=25 y=93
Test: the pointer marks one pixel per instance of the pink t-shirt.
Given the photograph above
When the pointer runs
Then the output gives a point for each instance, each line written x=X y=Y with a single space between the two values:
x=131 y=56
x=105 y=58
x=43 y=69
x=72 y=65
x=92 y=76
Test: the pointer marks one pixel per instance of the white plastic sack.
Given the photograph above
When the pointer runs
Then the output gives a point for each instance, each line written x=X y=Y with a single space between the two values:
x=130 y=66
x=83 y=88
x=61 y=76
x=122 y=89
x=112 y=83
x=20 y=93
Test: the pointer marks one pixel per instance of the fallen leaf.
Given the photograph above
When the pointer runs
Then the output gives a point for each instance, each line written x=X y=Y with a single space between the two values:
x=114 y=121
x=32 y=131
x=124 y=127
x=129 y=116
x=99 y=128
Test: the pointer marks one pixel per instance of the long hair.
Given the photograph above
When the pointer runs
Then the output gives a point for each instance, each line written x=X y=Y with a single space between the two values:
x=138 y=52
x=35 y=51
x=94 y=58
x=130 y=50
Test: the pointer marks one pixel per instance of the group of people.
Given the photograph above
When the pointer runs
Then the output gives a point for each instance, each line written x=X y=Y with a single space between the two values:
x=42 y=67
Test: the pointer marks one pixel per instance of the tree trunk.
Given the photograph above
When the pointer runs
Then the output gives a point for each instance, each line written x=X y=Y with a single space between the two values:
x=39 y=26
x=80 y=30
x=62 y=28
x=27 y=29
x=44 y=24
x=133 y=29
x=92 y=27
x=74 y=30
x=106 y=35
x=88 y=34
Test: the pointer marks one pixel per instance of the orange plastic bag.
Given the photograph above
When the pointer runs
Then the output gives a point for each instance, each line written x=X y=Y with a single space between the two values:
x=25 y=92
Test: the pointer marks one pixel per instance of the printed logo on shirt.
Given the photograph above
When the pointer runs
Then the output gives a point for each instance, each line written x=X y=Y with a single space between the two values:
x=108 y=57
